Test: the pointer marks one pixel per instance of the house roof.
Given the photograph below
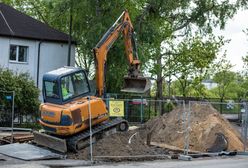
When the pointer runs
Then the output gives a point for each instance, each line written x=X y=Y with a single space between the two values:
x=16 y=24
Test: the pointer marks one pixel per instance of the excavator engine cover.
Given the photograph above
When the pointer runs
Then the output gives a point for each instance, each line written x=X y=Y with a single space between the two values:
x=136 y=85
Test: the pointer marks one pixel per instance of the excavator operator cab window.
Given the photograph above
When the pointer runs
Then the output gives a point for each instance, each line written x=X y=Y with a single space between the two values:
x=74 y=85
x=67 y=87
x=62 y=85
x=52 y=89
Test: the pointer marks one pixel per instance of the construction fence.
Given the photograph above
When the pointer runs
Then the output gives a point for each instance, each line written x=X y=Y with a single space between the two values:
x=168 y=127
x=139 y=109
x=7 y=108
x=160 y=128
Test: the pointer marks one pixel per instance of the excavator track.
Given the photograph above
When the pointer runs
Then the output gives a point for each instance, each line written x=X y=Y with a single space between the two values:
x=79 y=141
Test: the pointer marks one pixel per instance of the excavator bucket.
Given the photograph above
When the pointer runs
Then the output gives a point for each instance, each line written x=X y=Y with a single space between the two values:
x=136 y=85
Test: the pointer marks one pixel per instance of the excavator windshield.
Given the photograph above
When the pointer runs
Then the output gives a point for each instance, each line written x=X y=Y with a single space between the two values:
x=74 y=85
x=61 y=87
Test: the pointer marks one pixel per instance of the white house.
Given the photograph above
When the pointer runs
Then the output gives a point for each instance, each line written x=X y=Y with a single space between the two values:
x=209 y=84
x=28 y=45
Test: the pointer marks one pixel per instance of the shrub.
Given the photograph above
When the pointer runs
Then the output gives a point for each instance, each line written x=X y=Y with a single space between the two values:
x=26 y=93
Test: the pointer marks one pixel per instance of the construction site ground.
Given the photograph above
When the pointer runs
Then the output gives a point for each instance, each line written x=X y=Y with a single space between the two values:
x=166 y=136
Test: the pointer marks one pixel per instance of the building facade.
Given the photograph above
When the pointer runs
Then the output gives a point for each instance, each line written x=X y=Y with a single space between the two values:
x=28 y=45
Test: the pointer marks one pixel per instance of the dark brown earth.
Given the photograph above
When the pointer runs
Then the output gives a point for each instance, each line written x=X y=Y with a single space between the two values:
x=118 y=145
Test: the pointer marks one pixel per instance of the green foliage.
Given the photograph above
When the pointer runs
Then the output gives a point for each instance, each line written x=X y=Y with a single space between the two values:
x=191 y=61
x=26 y=93
x=179 y=19
x=34 y=126
x=160 y=24
x=169 y=106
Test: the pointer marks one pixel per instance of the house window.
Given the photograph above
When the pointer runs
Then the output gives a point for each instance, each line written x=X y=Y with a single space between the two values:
x=18 y=53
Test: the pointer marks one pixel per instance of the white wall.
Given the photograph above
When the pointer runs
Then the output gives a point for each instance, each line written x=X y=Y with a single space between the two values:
x=210 y=85
x=52 y=56
x=16 y=66
x=4 y=50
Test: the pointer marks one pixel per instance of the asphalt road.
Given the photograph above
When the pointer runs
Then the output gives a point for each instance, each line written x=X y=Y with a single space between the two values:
x=235 y=162
x=230 y=162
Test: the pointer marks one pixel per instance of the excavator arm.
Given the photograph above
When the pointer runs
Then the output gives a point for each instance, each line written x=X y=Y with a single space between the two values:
x=134 y=81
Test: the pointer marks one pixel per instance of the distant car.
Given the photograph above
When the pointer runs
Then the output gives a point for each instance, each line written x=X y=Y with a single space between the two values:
x=139 y=101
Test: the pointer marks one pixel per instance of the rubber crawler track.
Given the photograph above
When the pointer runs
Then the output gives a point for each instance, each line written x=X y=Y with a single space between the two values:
x=72 y=142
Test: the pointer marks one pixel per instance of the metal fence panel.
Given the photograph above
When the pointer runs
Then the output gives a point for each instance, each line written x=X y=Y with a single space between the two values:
x=6 y=108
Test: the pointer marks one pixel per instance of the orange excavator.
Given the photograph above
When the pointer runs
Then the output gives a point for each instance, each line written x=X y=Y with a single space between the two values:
x=69 y=107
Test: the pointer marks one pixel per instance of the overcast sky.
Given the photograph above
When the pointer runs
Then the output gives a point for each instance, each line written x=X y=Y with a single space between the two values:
x=238 y=45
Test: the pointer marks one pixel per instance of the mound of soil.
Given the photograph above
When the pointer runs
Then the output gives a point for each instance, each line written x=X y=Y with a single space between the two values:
x=120 y=144
x=205 y=124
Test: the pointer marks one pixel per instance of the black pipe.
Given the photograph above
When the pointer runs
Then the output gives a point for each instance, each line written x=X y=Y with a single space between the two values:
x=38 y=64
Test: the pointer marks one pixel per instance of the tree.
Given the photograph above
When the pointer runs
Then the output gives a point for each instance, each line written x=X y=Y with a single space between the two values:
x=192 y=59
x=224 y=79
x=175 y=19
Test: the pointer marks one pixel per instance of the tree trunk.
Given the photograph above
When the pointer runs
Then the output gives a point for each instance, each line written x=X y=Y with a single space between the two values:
x=159 y=82
x=221 y=105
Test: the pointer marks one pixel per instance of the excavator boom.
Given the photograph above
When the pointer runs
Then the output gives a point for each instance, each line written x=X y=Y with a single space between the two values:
x=134 y=82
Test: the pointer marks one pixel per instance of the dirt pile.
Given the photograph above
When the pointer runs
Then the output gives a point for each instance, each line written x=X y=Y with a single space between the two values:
x=205 y=124
x=120 y=144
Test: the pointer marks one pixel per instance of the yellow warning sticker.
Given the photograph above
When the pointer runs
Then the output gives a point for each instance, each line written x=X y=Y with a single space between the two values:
x=116 y=108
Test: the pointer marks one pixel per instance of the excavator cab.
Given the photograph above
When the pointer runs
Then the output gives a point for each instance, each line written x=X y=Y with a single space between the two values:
x=65 y=84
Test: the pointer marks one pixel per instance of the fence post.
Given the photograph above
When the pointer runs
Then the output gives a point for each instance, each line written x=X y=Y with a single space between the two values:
x=89 y=113
x=126 y=102
x=141 y=110
x=186 y=129
x=244 y=118
x=160 y=107
x=12 y=116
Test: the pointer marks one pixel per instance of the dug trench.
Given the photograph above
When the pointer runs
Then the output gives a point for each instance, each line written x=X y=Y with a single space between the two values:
x=165 y=135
